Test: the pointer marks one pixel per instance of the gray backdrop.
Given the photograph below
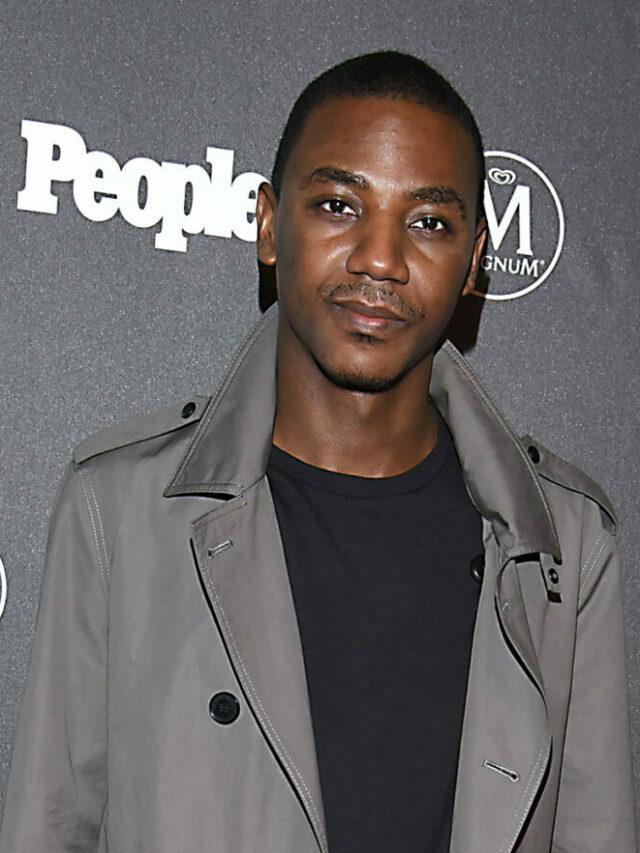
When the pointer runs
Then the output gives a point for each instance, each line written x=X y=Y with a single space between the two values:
x=98 y=324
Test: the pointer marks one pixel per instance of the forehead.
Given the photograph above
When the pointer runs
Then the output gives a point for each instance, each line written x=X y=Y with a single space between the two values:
x=386 y=140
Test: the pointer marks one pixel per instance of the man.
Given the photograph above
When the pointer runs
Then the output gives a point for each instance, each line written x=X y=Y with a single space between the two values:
x=339 y=606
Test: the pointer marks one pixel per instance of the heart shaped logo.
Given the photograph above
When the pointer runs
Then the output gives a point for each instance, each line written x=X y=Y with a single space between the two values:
x=503 y=177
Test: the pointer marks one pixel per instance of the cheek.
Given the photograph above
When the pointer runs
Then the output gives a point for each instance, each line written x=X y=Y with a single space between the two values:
x=444 y=273
x=307 y=259
x=437 y=286
x=285 y=253
x=294 y=250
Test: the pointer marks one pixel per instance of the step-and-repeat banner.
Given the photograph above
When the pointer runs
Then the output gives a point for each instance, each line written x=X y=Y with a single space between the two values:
x=133 y=138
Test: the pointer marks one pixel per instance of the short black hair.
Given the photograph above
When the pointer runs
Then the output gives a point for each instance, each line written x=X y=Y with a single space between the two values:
x=383 y=74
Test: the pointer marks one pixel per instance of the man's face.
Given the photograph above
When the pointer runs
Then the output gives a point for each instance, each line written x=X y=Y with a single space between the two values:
x=374 y=237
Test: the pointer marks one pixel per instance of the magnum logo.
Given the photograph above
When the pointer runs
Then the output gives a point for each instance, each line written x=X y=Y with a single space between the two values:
x=526 y=226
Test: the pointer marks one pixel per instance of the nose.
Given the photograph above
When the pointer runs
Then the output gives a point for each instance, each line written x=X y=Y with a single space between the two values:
x=378 y=251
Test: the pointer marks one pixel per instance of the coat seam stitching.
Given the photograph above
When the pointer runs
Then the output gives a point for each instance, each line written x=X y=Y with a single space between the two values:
x=105 y=552
x=85 y=474
x=592 y=551
x=207 y=486
x=95 y=532
x=592 y=564
x=509 y=838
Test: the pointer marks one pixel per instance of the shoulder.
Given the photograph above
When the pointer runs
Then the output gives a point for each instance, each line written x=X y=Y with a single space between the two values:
x=141 y=428
x=116 y=470
x=555 y=469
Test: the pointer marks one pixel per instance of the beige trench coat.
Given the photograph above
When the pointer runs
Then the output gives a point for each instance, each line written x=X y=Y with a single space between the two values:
x=165 y=583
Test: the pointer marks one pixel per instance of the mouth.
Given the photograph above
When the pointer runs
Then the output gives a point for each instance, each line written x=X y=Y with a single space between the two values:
x=366 y=317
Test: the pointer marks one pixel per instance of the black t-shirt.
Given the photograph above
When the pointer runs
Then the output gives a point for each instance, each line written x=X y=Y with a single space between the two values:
x=386 y=604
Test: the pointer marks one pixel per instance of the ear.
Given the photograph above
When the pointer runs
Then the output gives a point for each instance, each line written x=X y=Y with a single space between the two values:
x=476 y=257
x=266 y=205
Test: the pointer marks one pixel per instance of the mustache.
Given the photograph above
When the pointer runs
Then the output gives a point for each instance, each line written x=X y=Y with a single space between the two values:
x=373 y=292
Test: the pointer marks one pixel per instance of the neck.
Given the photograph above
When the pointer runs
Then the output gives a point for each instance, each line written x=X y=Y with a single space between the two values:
x=365 y=434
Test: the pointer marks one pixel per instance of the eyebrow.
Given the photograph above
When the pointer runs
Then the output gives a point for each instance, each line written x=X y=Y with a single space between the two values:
x=434 y=194
x=439 y=195
x=333 y=175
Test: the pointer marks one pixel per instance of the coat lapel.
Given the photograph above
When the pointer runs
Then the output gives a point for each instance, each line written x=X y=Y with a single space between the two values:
x=505 y=742
x=241 y=563
x=506 y=739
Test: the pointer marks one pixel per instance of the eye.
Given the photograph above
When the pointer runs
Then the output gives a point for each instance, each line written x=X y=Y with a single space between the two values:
x=429 y=224
x=336 y=206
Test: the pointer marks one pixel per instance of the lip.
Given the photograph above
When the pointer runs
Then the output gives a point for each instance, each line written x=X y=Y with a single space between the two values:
x=367 y=318
x=366 y=309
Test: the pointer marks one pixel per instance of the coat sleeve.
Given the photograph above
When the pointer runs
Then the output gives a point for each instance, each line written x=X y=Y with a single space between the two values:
x=57 y=785
x=595 y=805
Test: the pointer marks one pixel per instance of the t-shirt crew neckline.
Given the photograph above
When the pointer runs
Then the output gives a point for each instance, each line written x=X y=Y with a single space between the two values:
x=366 y=487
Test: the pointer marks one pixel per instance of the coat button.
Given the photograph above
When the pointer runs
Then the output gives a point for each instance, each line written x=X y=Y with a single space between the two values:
x=476 y=567
x=534 y=454
x=224 y=707
x=187 y=410
x=554 y=577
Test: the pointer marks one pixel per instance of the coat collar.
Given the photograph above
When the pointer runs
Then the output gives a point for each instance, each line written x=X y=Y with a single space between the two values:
x=229 y=450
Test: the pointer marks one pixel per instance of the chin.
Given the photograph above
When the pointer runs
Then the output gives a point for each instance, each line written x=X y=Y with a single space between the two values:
x=350 y=379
